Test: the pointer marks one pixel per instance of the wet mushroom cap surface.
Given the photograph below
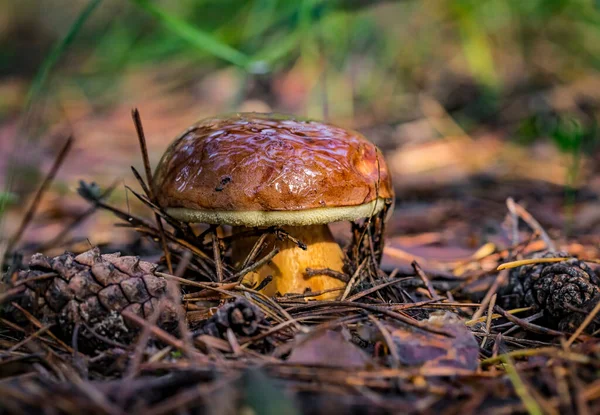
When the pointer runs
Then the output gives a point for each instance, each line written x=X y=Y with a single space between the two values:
x=255 y=169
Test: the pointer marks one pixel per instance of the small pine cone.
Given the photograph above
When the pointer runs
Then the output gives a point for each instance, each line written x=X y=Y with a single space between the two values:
x=572 y=321
x=241 y=316
x=552 y=287
x=93 y=290
x=564 y=284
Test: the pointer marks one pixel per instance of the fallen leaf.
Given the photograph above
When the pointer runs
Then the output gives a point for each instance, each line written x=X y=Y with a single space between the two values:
x=432 y=350
x=328 y=348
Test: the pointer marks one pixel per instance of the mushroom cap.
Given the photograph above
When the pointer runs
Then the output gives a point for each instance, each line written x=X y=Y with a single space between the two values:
x=251 y=169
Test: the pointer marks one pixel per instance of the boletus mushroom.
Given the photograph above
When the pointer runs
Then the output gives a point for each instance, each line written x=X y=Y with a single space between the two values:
x=251 y=170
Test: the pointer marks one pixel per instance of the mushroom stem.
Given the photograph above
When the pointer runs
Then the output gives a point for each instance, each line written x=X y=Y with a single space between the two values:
x=288 y=267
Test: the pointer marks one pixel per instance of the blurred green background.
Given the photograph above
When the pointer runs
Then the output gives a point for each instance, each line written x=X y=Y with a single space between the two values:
x=407 y=73
x=353 y=57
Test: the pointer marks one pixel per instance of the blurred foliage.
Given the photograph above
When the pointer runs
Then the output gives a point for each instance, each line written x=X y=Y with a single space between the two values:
x=356 y=57
x=263 y=395
x=6 y=199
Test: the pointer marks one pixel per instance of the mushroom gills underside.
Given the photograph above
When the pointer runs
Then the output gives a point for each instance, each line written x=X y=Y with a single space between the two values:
x=262 y=218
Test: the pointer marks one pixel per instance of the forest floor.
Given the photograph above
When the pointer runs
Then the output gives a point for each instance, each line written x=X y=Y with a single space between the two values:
x=434 y=326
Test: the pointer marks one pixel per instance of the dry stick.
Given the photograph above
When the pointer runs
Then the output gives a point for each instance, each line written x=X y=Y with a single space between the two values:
x=332 y=324
x=142 y=342
x=377 y=186
x=205 y=285
x=29 y=338
x=217 y=255
x=311 y=272
x=174 y=294
x=588 y=319
x=528 y=319
x=160 y=333
x=379 y=287
x=380 y=309
x=38 y=196
x=137 y=121
x=510 y=204
x=142 y=139
x=488 y=323
x=527 y=326
x=370 y=242
x=272 y=330
x=389 y=341
x=11 y=293
x=592 y=391
x=287 y=298
x=77 y=220
x=160 y=355
x=141 y=226
x=426 y=281
x=428 y=304
x=12 y=325
x=298 y=242
x=186 y=257
x=240 y=275
x=255 y=250
x=353 y=279
x=271 y=311
x=500 y=279
x=36 y=278
x=247 y=233
x=203 y=294
x=266 y=281
x=39 y=325
x=144 y=199
x=270 y=301
x=530 y=220
x=142 y=183
x=148 y=229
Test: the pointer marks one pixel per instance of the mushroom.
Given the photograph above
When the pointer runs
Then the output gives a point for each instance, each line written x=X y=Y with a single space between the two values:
x=251 y=170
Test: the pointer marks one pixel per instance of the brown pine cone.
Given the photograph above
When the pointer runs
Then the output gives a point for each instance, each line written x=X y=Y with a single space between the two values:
x=241 y=316
x=564 y=284
x=553 y=287
x=92 y=290
x=572 y=321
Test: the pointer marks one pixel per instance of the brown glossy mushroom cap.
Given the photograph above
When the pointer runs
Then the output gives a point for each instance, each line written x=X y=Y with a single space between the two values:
x=252 y=169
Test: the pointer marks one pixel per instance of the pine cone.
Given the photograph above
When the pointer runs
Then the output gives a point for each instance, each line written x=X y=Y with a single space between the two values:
x=571 y=322
x=553 y=287
x=241 y=316
x=92 y=290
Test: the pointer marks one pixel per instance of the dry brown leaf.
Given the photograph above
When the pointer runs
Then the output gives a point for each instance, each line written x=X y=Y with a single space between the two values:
x=328 y=348
x=419 y=348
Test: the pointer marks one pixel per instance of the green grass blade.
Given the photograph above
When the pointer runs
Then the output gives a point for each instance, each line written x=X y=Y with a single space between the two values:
x=57 y=52
x=529 y=402
x=195 y=36
x=39 y=82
